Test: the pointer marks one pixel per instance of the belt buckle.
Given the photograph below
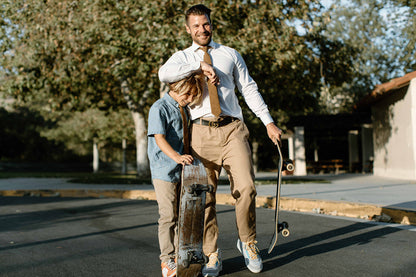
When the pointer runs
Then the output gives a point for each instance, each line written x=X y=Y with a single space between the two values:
x=214 y=124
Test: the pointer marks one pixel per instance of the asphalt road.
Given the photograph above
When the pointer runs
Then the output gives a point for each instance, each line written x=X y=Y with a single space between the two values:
x=116 y=237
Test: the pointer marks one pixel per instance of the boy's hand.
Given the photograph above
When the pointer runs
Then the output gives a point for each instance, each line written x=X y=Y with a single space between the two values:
x=168 y=150
x=184 y=159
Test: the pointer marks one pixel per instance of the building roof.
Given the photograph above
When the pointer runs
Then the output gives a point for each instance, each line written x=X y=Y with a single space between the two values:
x=386 y=89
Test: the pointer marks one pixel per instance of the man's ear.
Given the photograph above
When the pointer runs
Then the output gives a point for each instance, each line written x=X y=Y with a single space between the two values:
x=187 y=29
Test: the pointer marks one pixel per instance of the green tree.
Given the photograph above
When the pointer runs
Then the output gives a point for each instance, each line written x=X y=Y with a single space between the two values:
x=93 y=127
x=70 y=56
x=67 y=56
x=405 y=19
x=369 y=29
x=20 y=138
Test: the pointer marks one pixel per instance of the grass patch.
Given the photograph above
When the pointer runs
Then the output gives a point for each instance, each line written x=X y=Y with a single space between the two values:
x=289 y=181
x=131 y=179
x=36 y=174
x=82 y=177
x=111 y=179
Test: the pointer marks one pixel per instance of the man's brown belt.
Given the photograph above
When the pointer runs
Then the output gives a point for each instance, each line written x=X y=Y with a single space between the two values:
x=222 y=121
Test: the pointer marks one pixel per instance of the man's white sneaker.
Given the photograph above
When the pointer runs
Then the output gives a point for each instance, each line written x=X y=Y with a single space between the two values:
x=251 y=255
x=214 y=265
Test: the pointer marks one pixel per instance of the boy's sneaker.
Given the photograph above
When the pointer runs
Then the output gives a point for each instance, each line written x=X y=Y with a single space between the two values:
x=251 y=255
x=214 y=265
x=169 y=268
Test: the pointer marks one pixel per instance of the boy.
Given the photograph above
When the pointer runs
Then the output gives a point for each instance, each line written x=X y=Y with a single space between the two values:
x=166 y=132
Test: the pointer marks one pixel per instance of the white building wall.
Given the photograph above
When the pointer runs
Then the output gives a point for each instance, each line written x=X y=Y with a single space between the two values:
x=299 y=145
x=394 y=123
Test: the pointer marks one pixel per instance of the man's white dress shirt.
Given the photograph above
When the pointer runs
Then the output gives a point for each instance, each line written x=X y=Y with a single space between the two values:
x=231 y=70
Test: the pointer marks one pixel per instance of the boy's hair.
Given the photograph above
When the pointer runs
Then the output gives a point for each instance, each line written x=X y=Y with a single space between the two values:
x=193 y=83
x=198 y=10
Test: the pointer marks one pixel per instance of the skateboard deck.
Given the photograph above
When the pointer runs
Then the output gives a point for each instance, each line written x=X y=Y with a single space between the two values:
x=190 y=257
x=280 y=226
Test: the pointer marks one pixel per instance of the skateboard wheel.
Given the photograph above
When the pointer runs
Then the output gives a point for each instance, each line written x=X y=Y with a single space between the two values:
x=290 y=167
x=285 y=232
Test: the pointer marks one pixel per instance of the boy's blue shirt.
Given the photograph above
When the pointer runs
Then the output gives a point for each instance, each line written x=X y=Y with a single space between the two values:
x=165 y=118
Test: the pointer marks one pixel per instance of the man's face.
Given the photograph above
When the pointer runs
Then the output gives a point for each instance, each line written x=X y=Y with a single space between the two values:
x=200 y=29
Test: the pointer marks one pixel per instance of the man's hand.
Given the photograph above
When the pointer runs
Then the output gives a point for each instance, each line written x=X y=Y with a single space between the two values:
x=274 y=133
x=208 y=70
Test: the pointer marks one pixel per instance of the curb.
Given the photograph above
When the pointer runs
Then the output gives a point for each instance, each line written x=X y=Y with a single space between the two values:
x=335 y=208
x=342 y=208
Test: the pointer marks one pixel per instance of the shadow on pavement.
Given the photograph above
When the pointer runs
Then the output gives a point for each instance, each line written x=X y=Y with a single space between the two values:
x=35 y=220
x=286 y=253
x=317 y=244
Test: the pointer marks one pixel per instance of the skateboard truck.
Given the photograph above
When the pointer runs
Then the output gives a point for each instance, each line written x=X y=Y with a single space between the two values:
x=197 y=189
x=193 y=258
x=284 y=228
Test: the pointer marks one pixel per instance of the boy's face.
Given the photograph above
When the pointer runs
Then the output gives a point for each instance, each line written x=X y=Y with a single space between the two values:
x=185 y=98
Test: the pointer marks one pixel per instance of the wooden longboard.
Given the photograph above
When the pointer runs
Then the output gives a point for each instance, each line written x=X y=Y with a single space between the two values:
x=190 y=257
x=279 y=227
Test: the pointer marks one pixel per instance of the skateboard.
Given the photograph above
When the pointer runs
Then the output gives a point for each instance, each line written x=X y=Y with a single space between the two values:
x=194 y=186
x=280 y=226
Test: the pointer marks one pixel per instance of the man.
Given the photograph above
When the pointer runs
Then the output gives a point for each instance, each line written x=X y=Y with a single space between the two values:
x=219 y=136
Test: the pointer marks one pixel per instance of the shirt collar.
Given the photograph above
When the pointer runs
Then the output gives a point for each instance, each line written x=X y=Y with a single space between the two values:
x=212 y=44
x=170 y=100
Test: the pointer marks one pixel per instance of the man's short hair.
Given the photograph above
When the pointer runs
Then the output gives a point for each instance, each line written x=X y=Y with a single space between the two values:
x=198 y=10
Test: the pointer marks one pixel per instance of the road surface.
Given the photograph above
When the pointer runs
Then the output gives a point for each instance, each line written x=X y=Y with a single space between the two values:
x=117 y=237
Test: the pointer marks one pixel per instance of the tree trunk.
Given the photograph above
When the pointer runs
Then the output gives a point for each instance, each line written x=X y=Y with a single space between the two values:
x=124 y=162
x=95 y=158
x=139 y=126
x=141 y=144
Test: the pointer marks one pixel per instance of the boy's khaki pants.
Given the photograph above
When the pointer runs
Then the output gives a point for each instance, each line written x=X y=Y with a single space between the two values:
x=167 y=195
x=227 y=147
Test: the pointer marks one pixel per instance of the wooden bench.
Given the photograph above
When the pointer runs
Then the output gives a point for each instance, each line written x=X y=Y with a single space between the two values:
x=328 y=166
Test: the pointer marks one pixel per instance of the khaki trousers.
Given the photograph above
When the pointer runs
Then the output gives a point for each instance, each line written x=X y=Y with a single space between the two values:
x=227 y=147
x=167 y=200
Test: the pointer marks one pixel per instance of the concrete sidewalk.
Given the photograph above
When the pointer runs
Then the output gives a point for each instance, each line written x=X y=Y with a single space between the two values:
x=352 y=195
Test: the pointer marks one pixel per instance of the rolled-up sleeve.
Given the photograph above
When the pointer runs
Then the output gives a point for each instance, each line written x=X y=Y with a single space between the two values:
x=177 y=68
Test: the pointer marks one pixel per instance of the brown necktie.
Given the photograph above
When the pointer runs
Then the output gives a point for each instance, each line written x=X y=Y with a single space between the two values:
x=212 y=89
x=185 y=130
